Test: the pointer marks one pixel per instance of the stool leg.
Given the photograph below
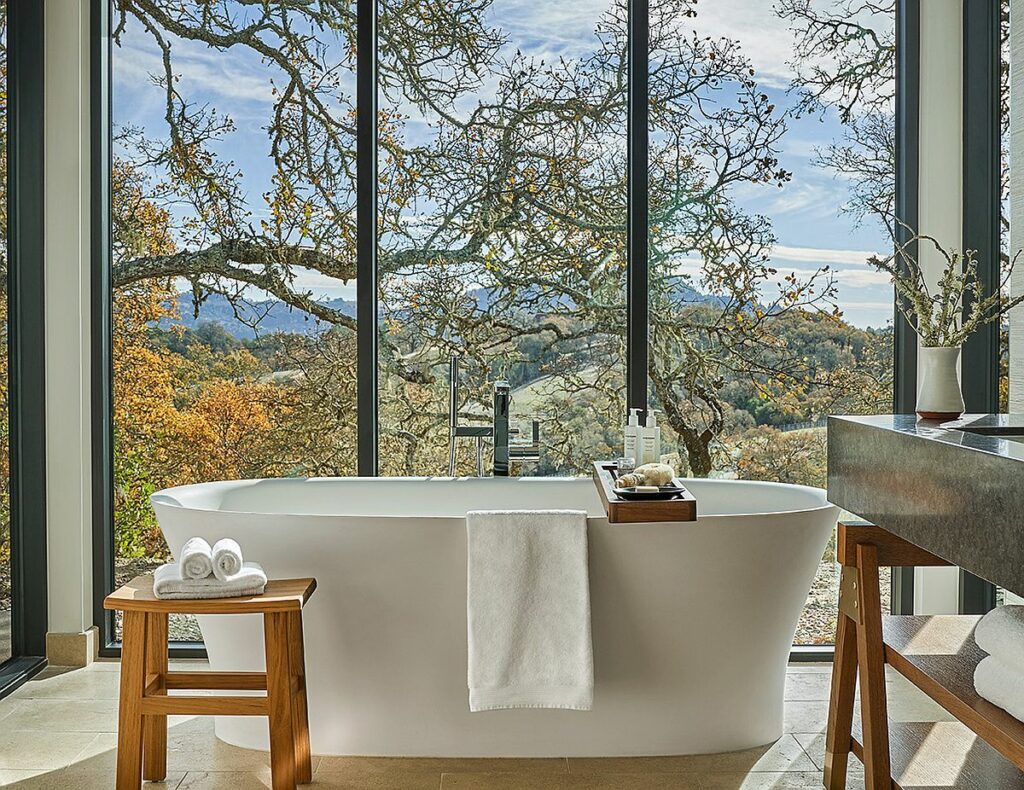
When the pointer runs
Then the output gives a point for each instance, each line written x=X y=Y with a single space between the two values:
x=840 y=706
x=129 y=721
x=871 y=658
x=154 y=753
x=300 y=711
x=279 y=698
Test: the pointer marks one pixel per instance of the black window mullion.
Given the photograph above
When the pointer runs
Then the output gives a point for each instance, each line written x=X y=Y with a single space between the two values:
x=366 y=235
x=637 y=270
x=26 y=328
x=102 y=332
x=908 y=91
x=981 y=228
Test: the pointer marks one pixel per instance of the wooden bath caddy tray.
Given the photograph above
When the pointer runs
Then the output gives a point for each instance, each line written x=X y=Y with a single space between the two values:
x=622 y=511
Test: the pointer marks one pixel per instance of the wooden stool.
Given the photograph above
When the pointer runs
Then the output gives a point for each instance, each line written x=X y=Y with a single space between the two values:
x=145 y=681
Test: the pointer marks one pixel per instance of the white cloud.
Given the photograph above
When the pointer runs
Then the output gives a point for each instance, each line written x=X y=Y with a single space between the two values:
x=765 y=38
x=862 y=278
x=822 y=256
x=203 y=70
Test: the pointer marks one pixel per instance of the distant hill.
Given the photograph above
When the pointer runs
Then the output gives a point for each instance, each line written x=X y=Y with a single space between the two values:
x=279 y=317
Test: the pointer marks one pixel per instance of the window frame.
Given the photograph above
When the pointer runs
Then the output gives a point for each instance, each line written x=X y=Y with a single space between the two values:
x=905 y=342
x=26 y=344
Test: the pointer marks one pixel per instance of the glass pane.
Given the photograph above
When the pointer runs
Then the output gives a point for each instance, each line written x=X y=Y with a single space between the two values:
x=503 y=214
x=234 y=255
x=1005 y=238
x=771 y=184
x=5 y=490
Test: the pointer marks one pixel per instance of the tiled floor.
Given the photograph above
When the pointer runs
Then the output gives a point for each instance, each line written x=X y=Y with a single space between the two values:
x=58 y=732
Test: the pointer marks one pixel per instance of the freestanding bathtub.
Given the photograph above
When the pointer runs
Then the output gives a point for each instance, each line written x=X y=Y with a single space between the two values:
x=692 y=622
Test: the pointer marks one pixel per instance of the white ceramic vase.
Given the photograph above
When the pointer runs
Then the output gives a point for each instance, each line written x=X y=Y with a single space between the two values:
x=939 y=396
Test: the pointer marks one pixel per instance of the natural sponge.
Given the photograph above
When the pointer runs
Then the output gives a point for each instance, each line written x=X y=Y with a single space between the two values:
x=656 y=474
x=630 y=480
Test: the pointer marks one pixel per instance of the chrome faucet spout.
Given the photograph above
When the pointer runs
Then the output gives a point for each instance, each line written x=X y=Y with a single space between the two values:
x=456 y=431
x=502 y=404
x=453 y=410
x=498 y=430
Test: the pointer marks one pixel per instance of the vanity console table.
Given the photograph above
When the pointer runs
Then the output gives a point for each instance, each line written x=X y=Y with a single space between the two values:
x=983 y=750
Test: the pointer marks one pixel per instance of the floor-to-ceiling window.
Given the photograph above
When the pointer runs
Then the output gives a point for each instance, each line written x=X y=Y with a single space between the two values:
x=502 y=228
x=233 y=251
x=772 y=182
x=502 y=197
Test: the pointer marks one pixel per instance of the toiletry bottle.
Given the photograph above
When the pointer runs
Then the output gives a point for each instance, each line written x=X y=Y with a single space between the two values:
x=631 y=437
x=650 y=439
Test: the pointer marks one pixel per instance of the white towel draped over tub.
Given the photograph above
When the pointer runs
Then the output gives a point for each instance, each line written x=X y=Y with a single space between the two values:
x=528 y=605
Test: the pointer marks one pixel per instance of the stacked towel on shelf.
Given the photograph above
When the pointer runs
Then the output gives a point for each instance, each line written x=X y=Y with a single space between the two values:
x=999 y=677
x=528 y=602
x=227 y=558
x=226 y=574
x=167 y=583
x=195 y=561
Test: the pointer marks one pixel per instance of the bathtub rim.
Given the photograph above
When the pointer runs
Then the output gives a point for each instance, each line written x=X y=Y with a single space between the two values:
x=168 y=497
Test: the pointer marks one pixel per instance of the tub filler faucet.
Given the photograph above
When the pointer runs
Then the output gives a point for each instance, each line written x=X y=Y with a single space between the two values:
x=499 y=430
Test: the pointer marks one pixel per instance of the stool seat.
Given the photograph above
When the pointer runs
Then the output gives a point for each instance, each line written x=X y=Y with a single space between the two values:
x=280 y=595
x=145 y=680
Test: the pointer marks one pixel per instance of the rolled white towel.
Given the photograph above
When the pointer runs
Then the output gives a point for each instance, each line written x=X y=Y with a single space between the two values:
x=168 y=584
x=1000 y=684
x=196 y=559
x=1000 y=633
x=227 y=558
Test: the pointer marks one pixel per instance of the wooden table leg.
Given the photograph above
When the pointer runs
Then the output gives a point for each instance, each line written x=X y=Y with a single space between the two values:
x=154 y=753
x=279 y=695
x=841 y=703
x=129 y=720
x=871 y=658
x=300 y=711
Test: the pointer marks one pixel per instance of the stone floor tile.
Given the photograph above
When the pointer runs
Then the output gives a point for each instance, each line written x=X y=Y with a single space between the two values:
x=806 y=716
x=227 y=780
x=65 y=715
x=767 y=781
x=783 y=755
x=610 y=781
x=65 y=683
x=33 y=749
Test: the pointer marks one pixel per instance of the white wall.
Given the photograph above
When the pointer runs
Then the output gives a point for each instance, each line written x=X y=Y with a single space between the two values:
x=940 y=209
x=66 y=140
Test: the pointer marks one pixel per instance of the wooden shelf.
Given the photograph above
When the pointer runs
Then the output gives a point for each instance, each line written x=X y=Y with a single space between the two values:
x=943 y=754
x=938 y=654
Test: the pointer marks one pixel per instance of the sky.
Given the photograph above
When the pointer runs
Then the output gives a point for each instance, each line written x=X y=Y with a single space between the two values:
x=806 y=214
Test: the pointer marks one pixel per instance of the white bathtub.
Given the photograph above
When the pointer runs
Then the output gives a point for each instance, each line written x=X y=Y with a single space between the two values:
x=692 y=622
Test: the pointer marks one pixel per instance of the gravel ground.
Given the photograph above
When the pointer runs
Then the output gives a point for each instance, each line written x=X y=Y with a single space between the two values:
x=180 y=628
x=818 y=622
x=5 y=632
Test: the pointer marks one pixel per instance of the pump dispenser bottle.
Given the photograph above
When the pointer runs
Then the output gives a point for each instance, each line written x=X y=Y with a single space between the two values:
x=650 y=439
x=631 y=437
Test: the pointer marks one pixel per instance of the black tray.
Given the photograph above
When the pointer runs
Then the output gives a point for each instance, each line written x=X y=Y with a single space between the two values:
x=663 y=492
